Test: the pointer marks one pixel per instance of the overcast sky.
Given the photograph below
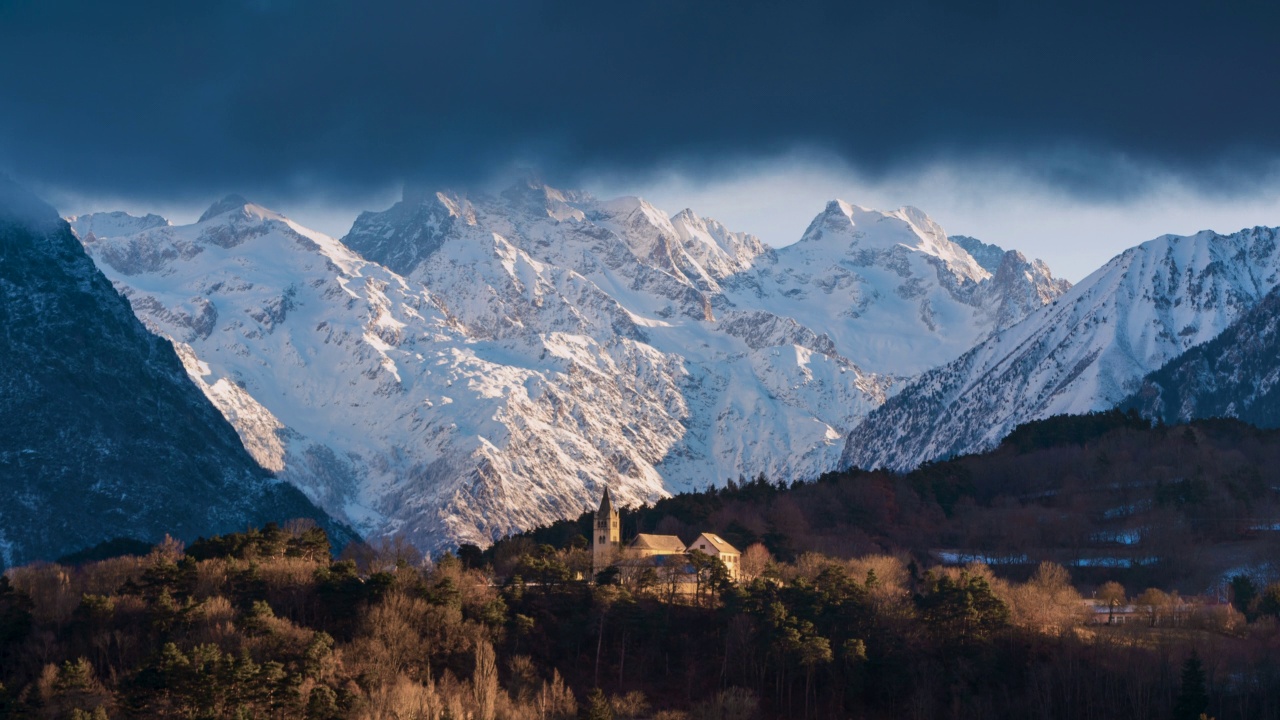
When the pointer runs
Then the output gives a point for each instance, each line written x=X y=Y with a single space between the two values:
x=1067 y=129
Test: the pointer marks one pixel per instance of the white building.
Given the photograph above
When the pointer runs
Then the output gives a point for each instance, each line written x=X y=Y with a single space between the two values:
x=718 y=547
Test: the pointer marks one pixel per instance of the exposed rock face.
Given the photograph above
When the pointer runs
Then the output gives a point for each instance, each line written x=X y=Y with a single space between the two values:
x=102 y=434
x=1019 y=287
x=987 y=255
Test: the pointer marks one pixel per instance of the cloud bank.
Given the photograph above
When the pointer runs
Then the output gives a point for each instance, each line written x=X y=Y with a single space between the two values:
x=177 y=100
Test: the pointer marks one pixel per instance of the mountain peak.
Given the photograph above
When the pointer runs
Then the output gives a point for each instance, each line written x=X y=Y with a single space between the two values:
x=836 y=206
x=837 y=215
x=867 y=228
x=687 y=215
x=225 y=205
x=533 y=195
x=238 y=208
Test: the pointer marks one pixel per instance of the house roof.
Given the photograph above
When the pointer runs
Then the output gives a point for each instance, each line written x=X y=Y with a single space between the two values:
x=717 y=542
x=663 y=543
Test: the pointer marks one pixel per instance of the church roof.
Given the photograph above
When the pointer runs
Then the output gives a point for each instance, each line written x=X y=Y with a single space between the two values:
x=662 y=543
x=606 y=504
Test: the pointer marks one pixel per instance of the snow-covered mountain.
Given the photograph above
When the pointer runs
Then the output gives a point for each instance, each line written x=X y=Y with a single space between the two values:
x=1236 y=374
x=893 y=292
x=1088 y=350
x=888 y=290
x=483 y=364
x=102 y=435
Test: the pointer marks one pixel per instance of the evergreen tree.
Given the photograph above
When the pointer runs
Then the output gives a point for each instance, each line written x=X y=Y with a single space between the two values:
x=1243 y=591
x=597 y=707
x=322 y=704
x=15 y=619
x=962 y=610
x=1268 y=602
x=1193 y=699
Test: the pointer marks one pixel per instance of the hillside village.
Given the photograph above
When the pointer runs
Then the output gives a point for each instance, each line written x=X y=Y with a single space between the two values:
x=659 y=560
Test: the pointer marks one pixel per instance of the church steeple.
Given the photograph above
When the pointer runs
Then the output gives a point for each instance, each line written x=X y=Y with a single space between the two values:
x=606 y=540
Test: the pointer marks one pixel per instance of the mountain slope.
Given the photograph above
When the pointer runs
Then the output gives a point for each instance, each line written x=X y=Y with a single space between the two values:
x=1236 y=374
x=102 y=435
x=336 y=374
x=1086 y=351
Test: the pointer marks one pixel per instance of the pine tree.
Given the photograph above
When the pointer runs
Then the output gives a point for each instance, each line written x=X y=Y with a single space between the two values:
x=597 y=707
x=1243 y=591
x=1193 y=699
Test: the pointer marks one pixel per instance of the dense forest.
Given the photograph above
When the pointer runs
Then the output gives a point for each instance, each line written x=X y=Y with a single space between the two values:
x=847 y=608
x=1106 y=495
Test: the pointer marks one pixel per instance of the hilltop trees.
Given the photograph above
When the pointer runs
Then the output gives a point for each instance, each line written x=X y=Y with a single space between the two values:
x=962 y=610
x=253 y=625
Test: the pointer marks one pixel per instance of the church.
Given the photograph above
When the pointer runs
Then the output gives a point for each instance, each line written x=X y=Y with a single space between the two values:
x=664 y=553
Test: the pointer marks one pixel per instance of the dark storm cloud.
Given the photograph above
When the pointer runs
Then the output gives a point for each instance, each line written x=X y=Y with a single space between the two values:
x=177 y=98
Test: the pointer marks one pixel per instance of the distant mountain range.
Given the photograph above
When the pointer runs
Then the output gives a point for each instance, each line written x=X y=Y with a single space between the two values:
x=462 y=366
x=102 y=434
x=1088 y=350
x=459 y=367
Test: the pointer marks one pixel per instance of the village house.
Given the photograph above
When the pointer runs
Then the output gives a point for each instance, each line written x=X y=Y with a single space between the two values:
x=717 y=547
x=664 y=558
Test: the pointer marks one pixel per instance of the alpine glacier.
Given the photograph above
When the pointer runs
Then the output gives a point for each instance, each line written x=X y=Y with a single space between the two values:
x=1088 y=350
x=461 y=367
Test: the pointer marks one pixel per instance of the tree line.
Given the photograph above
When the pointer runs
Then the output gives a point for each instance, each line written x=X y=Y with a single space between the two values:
x=847 y=608
x=266 y=624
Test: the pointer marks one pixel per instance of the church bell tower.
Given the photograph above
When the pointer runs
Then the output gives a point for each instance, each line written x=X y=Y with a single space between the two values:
x=606 y=541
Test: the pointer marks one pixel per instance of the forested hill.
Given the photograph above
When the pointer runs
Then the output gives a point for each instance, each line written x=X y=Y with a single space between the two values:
x=266 y=624
x=1105 y=494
